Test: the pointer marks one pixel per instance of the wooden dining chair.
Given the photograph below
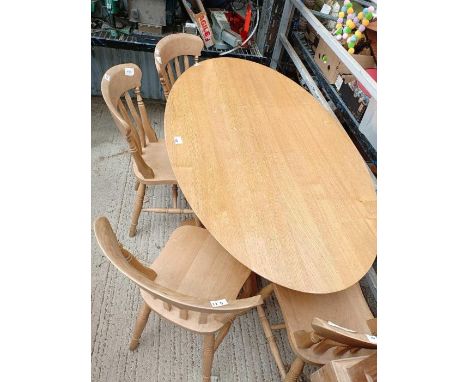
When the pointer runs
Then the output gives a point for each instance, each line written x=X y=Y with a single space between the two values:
x=151 y=164
x=356 y=369
x=320 y=327
x=193 y=283
x=173 y=55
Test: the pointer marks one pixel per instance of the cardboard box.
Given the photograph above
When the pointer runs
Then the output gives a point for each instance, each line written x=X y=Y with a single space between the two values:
x=371 y=34
x=331 y=66
x=203 y=24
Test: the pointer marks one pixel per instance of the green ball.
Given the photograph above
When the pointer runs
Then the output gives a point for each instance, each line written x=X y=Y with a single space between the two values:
x=369 y=16
x=349 y=5
x=339 y=31
x=347 y=30
x=351 y=44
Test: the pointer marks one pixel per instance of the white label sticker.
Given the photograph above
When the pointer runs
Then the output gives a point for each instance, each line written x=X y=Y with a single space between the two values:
x=372 y=339
x=326 y=9
x=340 y=327
x=129 y=71
x=217 y=303
x=106 y=77
x=339 y=82
x=178 y=140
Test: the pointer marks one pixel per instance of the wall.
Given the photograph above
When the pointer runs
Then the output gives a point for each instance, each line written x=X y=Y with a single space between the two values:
x=103 y=58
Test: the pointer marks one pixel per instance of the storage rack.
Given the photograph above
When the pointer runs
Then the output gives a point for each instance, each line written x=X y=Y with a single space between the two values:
x=314 y=79
x=352 y=125
x=147 y=43
x=369 y=282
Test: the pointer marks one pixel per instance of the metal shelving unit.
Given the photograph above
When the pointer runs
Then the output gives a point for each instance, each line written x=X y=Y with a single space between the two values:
x=147 y=43
x=352 y=125
x=314 y=79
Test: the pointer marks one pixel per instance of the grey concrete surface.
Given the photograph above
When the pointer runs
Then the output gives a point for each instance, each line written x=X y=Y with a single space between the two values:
x=166 y=352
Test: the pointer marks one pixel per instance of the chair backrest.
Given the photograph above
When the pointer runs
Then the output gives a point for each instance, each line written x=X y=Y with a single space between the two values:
x=172 y=57
x=329 y=341
x=145 y=278
x=117 y=82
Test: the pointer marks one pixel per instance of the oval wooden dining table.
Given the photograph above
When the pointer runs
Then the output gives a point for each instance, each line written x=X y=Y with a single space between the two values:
x=272 y=175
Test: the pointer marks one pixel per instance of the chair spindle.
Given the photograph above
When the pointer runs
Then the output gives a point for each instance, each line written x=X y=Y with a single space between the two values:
x=183 y=314
x=149 y=132
x=167 y=306
x=170 y=73
x=133 y=261
x=137 y=119
x=203 y=319
x=177 y=67
x=132 y=132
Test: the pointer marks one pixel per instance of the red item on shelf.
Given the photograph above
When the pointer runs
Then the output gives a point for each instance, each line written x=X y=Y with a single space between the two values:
x=373 y=73
x=248 y=15
x=238 y=23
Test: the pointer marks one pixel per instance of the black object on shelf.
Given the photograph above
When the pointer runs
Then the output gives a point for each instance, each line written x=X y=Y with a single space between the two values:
x=355 y=105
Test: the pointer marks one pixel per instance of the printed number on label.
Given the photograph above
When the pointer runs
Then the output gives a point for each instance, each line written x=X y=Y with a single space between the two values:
x=129 y=71
x=178 y=140
x=217 y=303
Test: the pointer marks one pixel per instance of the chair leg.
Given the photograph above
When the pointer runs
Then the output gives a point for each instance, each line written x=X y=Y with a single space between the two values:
x=295 y=370
x=271 y=341
x=222 y=333
x=140 y=324
x=137 y=208
x=208 y=354
x=174 y=196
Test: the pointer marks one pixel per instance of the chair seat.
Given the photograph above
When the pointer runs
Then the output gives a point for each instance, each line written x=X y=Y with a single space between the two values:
x=346 y=308
x=195 y=264
x=155 y=156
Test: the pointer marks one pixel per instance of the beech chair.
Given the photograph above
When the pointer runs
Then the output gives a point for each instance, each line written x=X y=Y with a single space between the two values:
x=193 y=283
x=151 y=164
x=321 y=327
x=356 y=369
x=172 y=57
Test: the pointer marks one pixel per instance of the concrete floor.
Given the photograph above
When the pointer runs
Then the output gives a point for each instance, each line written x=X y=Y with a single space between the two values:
x=166 y=352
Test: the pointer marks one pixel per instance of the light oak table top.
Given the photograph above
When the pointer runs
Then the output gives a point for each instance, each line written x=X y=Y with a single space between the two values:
x=272 y=175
